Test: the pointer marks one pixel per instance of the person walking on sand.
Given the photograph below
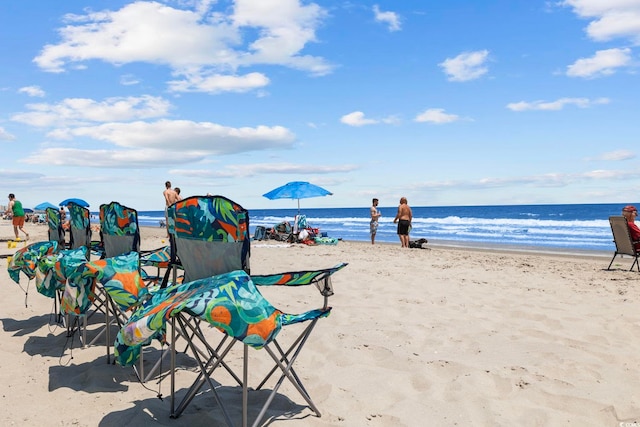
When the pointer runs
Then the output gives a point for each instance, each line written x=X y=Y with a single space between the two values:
x=15 y=206
x=403 y=218
x=375 y=215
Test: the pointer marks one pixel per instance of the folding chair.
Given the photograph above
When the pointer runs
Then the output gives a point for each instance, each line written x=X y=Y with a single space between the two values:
x=120 y=234
x=52 y=277
x=623 y=241
x=79 y=227
x=210 y=237
x=27 y=261
x=55 y=232
x=231 y=303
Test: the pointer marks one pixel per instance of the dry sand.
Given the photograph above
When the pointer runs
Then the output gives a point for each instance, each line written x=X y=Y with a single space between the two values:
x=435 y=337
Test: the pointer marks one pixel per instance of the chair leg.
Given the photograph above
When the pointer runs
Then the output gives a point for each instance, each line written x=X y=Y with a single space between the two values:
x=287 y=372
x=611 y=263
x=206 y=369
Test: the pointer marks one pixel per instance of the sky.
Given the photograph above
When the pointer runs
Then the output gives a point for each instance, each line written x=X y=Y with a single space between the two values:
x=446 y=103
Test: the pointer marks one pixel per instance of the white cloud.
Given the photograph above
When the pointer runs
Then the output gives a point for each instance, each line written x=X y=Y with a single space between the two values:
x=161 y=144
x=35 y=91
x=77 y=111
x=603 y=63
x=129 y=80
x=193 y=42
x=205 y=138
x=218 y=83
x=6 y=136
x=357 y=119
x=466 y=66
x=618 y=155
x=552 y=179
x=244 y=171
x=390 y=18
x=437 y=116
x=610 y=19
x=555 y=105
x=144 y=158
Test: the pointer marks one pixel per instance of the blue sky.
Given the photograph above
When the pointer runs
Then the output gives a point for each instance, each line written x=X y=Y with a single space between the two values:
x=445 y=103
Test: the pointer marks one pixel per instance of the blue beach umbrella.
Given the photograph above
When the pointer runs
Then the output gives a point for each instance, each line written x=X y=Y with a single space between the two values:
x=297 y=190
x=44 y=205
x=76 y=201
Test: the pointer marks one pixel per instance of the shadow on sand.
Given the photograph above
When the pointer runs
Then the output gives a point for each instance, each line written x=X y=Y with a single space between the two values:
x=204 y=411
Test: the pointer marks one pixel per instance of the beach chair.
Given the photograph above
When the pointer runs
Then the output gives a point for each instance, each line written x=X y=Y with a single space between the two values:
x=231 y=303
x=211 y=240
x=120 y=235
x=623 y=241
x=26 y=260
x=79 y=227
x=56 y=232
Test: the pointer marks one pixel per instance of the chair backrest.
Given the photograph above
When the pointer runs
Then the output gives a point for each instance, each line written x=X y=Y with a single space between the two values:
x=79 y=226
x=119 y=229
x=54 y=221
x=621 y=235
x=209 y=235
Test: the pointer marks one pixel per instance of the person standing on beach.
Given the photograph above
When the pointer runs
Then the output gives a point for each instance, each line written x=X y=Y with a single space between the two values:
x=403 y=218
x=375 y=215
x=15 y=206
x=177 y=190
x=631 y=213
x=170 y=197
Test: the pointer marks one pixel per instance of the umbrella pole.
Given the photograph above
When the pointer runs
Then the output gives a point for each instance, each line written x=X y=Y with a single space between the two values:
x=298 y=206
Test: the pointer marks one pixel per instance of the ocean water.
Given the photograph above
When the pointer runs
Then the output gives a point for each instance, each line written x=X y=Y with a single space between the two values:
x=571 y=226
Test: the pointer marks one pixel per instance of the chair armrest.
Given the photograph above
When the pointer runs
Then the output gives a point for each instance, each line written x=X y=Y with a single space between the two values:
x=296 y=278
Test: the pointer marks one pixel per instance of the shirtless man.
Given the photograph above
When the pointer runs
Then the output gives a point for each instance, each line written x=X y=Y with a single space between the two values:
x=403 y=218
x=170 y=197
x=375 y=216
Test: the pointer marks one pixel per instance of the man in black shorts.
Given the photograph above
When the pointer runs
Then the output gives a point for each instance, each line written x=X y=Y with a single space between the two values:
x=403 y=218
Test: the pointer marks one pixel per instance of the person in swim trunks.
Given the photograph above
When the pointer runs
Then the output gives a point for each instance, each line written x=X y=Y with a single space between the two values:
x=373 y=225
x=15 y=206
x=403 y=218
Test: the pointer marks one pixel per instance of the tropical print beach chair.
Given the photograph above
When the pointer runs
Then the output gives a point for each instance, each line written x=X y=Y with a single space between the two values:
x=120 y=233
x=211 y=240
x=211 y=235
x=56 y=268
x=232 y=303
x=54 y=222
x=112 y=285
x=119 y=230
x=27 y=261
x=79 y=227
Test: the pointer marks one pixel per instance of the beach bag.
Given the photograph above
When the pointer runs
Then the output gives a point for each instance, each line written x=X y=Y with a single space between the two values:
x=418 y=244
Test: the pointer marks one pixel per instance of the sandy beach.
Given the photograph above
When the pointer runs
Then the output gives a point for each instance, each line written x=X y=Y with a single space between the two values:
x=439 y=337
